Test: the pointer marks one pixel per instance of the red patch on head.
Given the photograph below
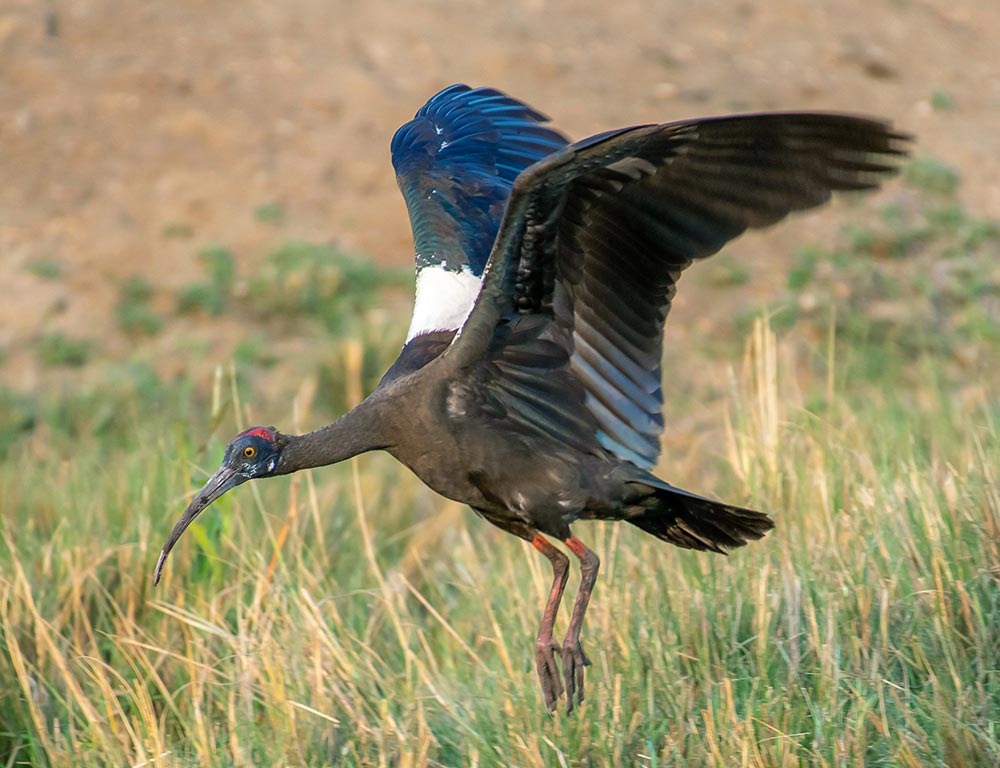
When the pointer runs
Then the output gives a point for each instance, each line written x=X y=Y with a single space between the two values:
x=265 y=432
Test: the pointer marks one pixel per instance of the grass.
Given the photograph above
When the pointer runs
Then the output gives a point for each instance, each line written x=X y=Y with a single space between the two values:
x=133 y=315
x=348 y=616
x=321 y=282
x=58 y=349
x=269 y=213
x=46 y=269
x=213 y=295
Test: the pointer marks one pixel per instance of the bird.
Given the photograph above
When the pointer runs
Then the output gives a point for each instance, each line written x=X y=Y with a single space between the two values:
x=529 y=386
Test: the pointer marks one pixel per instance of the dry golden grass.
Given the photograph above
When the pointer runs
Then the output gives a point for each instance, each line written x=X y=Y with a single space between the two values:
x=349 y=617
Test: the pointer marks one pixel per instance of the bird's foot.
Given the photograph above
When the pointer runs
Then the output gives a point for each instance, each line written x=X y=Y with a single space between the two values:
x=573 y=662
x=548 y=672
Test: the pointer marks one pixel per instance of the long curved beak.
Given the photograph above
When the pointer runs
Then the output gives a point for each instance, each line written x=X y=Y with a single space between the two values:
x=225 y=479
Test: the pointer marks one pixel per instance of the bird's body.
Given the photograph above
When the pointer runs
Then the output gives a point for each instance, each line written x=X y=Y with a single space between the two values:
x=529 y=386
x=454 y=433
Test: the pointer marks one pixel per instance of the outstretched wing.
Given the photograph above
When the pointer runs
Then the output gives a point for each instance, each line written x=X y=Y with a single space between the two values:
x=598 y=234
x=455 y=163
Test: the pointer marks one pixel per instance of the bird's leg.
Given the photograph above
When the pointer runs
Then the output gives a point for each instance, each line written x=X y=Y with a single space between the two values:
x=573 y=657
x=545 y=644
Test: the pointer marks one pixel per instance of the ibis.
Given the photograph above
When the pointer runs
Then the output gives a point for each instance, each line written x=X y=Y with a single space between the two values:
x=529 y=386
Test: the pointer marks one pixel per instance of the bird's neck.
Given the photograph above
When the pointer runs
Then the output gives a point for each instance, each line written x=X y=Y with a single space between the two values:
x=357 y=431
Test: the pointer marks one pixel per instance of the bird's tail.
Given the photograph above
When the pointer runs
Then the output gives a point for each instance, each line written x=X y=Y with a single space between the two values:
x=691 y=521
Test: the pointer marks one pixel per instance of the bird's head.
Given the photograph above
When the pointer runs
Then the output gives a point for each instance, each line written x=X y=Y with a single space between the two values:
x=253 y=453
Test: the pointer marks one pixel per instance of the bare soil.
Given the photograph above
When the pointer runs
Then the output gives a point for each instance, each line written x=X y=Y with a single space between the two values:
x=133 y=134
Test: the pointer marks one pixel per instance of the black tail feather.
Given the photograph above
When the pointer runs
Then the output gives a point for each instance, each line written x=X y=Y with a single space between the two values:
x=694 y=522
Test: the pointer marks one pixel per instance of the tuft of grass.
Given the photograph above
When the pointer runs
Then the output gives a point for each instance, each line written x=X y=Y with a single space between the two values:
x=729 y=273
x=931 y=175
x=200 y=297
x=212 y=296
x=221 y=268
x=942 y=100
x=19 y=419
x=57 y=349
x=177 y=231
x=46 y=269
x=253 y=351
x=133 y=314
x=269 y=213
x=804 y=267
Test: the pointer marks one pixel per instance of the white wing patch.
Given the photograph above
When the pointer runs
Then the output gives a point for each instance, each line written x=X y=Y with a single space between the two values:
x=444 y=299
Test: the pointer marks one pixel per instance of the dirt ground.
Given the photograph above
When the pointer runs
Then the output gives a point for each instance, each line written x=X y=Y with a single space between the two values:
x=134 y=134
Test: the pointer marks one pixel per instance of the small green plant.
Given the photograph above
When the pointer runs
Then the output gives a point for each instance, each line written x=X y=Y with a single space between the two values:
x=253 y=351
x=861 y=239
x=199 y=297
x=729 y=272
x=47 y=269
x=942 y=100
x=220 y=265
x=58 y=349
x=212 y=296
x=269 y=213
x=177 y=230
x=133 y=313
x=930 y=175
x=17 y=418
x=804 y=267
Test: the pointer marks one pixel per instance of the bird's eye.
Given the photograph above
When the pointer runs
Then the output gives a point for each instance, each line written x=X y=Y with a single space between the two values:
x=249 y=451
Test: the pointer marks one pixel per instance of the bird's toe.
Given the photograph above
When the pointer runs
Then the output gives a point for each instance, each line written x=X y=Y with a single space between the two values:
x=548 y=672
x=573 y=662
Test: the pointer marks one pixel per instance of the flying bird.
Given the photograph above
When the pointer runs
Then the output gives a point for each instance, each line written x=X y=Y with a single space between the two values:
x=529 y=385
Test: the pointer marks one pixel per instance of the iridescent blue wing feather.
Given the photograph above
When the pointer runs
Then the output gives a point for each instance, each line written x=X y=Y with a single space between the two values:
x=456 y=162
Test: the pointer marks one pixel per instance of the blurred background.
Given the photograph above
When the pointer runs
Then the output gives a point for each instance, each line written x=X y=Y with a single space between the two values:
x=135 y=136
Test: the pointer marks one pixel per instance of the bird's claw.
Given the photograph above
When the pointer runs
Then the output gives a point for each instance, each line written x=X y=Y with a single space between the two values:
x=573 y=662
x=548 y=672
x=569 y=682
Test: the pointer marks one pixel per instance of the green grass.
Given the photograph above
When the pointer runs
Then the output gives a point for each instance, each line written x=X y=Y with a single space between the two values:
x=213 y=295
x=46 y=269
x=58 y=349
x=397 y=628
x=269 y=213
x=133 y=315
x=942 y=100
x=348 y=616
x=321 y=282
x=177 y=230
